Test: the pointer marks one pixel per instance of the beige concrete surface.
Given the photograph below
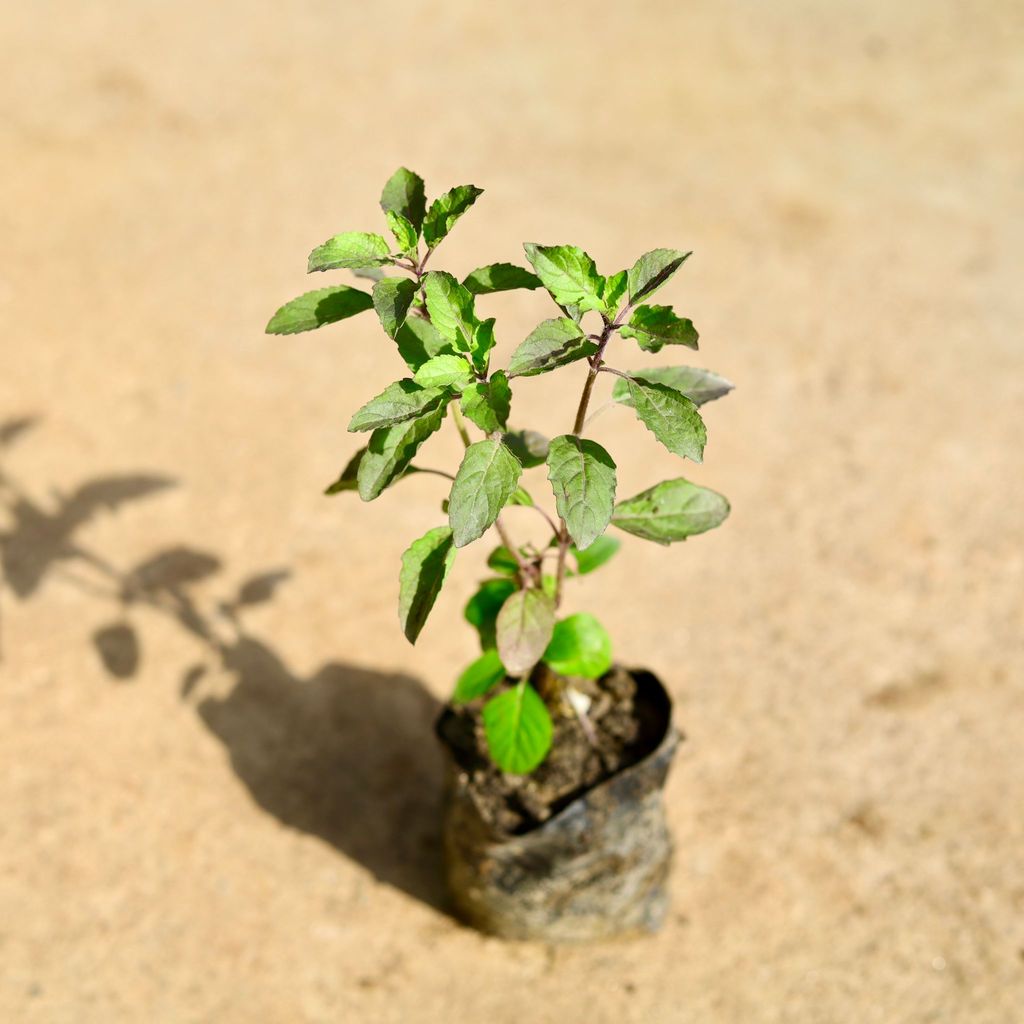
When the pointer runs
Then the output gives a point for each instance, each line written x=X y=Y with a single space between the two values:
x=245 y=828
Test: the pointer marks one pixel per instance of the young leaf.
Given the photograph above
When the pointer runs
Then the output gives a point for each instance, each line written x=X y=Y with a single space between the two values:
x=391 y=449
x=482 y=609
x=392 y=297
x=406 y=236
x=518 y=729
x=580 y=646
x=614 y=292
x=528 y=446
x=314 y=309
x=656 y=326
x=521 y=496
x=671 y=511
x=652 y=270
x=596 y=555
x=347 y=480
x=479 y=677
x=404 y=194
x=444 y=371
x=699 y=386
x=446 y=210
x=418 y=341
x=451 y=309
x=582 y=475
x=424 y=566
x=568 y=273
x=550 y=344
x=351 y=250
x=397 y=402
x=670 y=416
x=487 y=403
x=523 y=629
x=499 y=277
x=483 y=485
x=483 y=342
x=502 y=560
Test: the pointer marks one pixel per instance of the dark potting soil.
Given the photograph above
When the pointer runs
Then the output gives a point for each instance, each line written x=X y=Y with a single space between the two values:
x=625 y=727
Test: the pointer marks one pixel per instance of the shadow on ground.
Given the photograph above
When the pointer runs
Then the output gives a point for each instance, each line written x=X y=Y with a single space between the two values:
x=347 y=755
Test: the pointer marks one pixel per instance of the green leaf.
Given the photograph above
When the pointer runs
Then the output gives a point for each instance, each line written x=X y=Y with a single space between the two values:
x=418 y=341
x=485 y=481
x=550 y=344
x=425 y=564
x=391 y=449
x=614 y=292
x=670 y=416
x=518 y=729
x=397 y=402
x=582 y=475
x=487 y=403
x=446 y=210
x=347 y=480
x=529 y=447
x=499 y=277
x=603 y=549
x=406 y=236
x=656 y=326
x=652 y=270
x=404 y=194
x=580 y=646
x=314 y=309
x=502 y=560
x=699 y=386
x=482 y=609
x=523 y=629
x=521 y=496
x=568 y=273
x=444 y=371
x=478 y=677
x=392 y=297
x=483 y=342
x=451 y=309
x=351 y=250
x=671 y=511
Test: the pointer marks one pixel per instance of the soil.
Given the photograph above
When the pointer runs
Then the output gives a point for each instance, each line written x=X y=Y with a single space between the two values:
x=625 y=727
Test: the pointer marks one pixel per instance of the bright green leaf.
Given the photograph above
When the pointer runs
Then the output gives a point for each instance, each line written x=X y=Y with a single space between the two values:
x=521 y=496
x=351 y=250
x=656 y=326
x=479 y=677
x=671 y=511
x=482 y=609
x=568 y=273
x=404 y=194
x=446 y=210
x=443 y=371
x=580 y=646
x=529 y=447
x=518 y=729
x=397 y=402
x=314 y=309
x=392 y=297
x=601 y=551
x=485 y=481
x=523 y=629
x=425 y=564
x=699 y=386
x=451 y=309
x=487 y=403
x=483 y=342
x=614 y=292
x=550 y=344
x=582 y=475
x=391 y=449
x=418 y=340
x=406 y=236
x=670 y=416
x=652 y=270
x=499 y=277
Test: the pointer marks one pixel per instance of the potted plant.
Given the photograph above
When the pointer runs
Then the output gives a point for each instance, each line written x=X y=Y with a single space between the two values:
x=555 y=825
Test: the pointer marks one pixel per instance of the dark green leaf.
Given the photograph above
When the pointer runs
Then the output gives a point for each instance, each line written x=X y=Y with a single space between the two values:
x=671 y=511
x=582 y=475
x=656 y=326
x=502 y=560
x=351 y=250
x=483 y=342
x=451 y=309
x=499 y=277
x=487 y=403
x=568 y=273
x=347 y=480
x=524 y=628
x=670 y=416
x=596 y=555
x=482 y=609
x=477 y=678
x=391 y=449
x=652 y=270
x=699 y=386
x=518 y=729
x=485 y=481
x=444 y=371
x=404 y=194
x=418 y=341
x=446 y=210
x=529 y=447
x=314 y=309
x=580 y=646
x=406 y=235
x=424 y=566
x=397 y=402
x=392 y=297
x=550 y=344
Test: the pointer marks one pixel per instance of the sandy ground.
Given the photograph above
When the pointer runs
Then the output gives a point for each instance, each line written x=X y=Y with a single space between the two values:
x=243 y=826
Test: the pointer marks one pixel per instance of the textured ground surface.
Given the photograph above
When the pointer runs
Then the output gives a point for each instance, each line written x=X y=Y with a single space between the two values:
x=245 y=828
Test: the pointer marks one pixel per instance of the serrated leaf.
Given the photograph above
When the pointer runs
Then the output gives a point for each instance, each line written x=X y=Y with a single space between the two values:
x=518 y=729
x=528 y=446
x=523 y=629
x=550 y=344
x=582 y=476
x=392 y=297
x=487 y=403
x=404 y=194
x=425 y=564
x=400 y=401
x=316 y=308
x=406 y=235
x=580 y=646
x=482 y=609
x=671 y=511
x=451 y=309
x=446 y=210
x=699 y=386
x=657 y=326
x=444 y=371
x=601 y=551
x=652 y=270
x=418 y=340
x=485 y=481
x=568 y=273
x=351 y=250
x=479 y=677
x=391 y=449
x=670 y=416
x=499 y=277
x=503 y=561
